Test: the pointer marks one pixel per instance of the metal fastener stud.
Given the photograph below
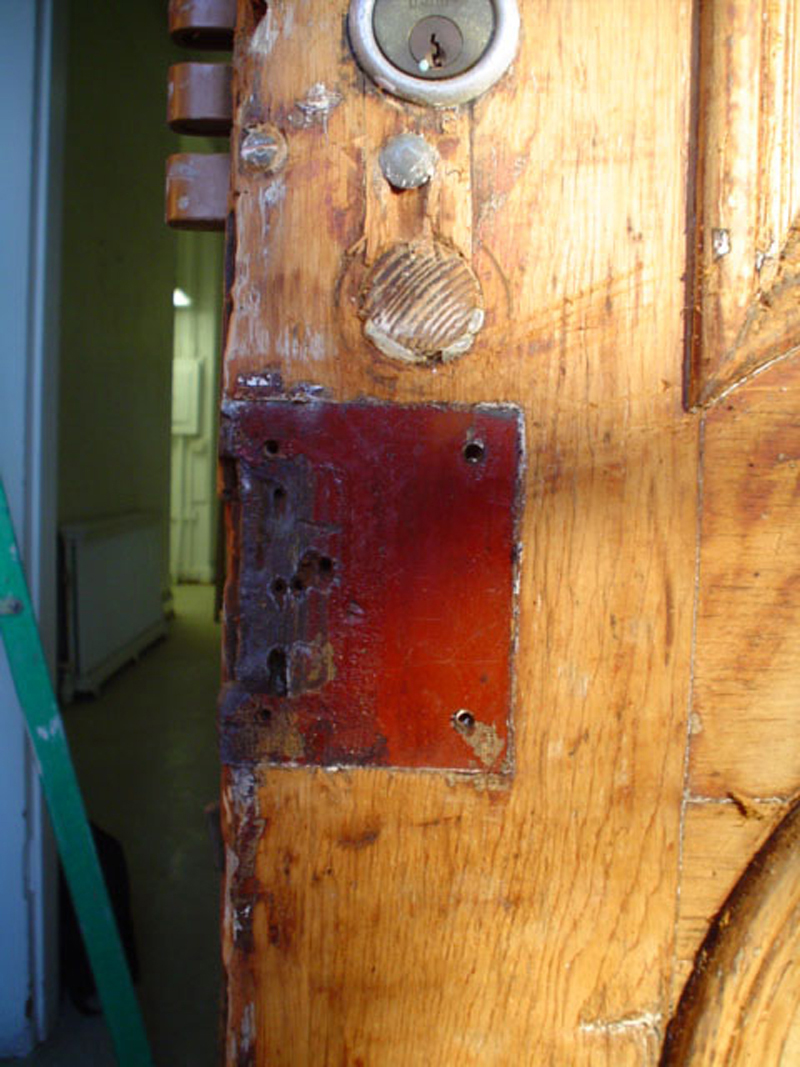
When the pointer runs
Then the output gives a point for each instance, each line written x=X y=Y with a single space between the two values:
x=264 y=148
x=408 y=161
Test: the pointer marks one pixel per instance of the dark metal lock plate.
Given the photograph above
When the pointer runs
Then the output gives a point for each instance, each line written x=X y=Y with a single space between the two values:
x=370 y=610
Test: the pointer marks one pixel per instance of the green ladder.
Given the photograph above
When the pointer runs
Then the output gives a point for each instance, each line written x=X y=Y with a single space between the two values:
x=60 y=785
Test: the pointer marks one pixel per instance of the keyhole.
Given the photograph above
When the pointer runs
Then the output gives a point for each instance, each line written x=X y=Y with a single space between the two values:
x=437 y=55
x=435 y=43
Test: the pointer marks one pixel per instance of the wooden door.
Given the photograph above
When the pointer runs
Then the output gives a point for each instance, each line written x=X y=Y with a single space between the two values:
x=622 y=202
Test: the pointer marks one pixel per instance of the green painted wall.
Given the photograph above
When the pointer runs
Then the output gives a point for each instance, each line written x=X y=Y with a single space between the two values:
x=119 y=265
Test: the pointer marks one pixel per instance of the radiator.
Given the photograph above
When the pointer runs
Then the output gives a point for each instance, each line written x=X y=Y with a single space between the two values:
x=112 y=597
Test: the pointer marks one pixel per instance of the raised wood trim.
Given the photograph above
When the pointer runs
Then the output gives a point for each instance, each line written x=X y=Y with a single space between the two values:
x=719 y=838
x=747 y=657
x=740 y=1004
x=745 y=308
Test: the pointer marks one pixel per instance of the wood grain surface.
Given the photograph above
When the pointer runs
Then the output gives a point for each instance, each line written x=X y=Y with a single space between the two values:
x=378 y=917
x=719 y=839
x=744 y=727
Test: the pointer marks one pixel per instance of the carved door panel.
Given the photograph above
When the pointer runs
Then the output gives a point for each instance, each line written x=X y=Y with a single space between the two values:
x=510 y=603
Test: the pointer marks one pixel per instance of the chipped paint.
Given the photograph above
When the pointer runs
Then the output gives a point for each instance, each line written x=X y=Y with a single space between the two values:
x=720 y=243
x=285 y=738
x=312 y=664
x=644 y=1021
x=481 y=737
x=268 y=384
x=255 y=381
x=53 y=730
x=247 y=1030
x=246 y=828
x=767 y=254
x=273 y=194
x=265 y=35
x=315 y=107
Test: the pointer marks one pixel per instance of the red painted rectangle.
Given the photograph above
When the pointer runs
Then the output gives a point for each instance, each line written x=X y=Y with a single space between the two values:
x=370 y=608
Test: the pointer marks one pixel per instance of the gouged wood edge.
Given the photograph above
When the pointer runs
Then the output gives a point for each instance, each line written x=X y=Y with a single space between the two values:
x=741 y=197
x=713 y=983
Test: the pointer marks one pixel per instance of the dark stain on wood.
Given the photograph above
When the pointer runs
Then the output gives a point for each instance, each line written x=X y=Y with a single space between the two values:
x=669 y=617
x=360 y=840
x=281 y=920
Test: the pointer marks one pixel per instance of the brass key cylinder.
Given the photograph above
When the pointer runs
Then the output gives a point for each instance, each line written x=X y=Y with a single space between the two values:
x=441 y=52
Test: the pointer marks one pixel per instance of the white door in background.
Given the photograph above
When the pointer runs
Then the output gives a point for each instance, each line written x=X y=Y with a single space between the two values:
x=193 y=504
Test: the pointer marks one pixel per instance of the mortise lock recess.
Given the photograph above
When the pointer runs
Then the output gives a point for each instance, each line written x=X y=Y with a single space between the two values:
x=436 y=52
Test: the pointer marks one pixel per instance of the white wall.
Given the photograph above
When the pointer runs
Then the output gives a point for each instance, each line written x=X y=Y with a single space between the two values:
x=31 y=91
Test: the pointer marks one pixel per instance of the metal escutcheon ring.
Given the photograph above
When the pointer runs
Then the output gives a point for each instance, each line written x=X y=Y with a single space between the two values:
x=443 y=92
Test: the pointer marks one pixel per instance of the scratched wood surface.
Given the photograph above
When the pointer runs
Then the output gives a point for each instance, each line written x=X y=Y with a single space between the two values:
x=379 y=917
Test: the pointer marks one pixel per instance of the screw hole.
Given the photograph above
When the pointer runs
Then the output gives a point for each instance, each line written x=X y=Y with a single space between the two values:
x=298 y=584
x=325 y=565
x=465 y=719
x=272 y=447
x=279 y=587
x=474 y=451
x=279 y=494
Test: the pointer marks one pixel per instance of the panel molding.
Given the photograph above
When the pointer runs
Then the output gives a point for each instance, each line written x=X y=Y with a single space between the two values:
x=740 y=1004
x=744 y=244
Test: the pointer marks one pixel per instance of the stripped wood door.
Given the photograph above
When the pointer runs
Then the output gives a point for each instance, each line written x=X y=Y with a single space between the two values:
x=613 y=206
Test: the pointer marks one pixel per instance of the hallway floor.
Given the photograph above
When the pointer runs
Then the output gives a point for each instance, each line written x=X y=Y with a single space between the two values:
x=145 y=752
